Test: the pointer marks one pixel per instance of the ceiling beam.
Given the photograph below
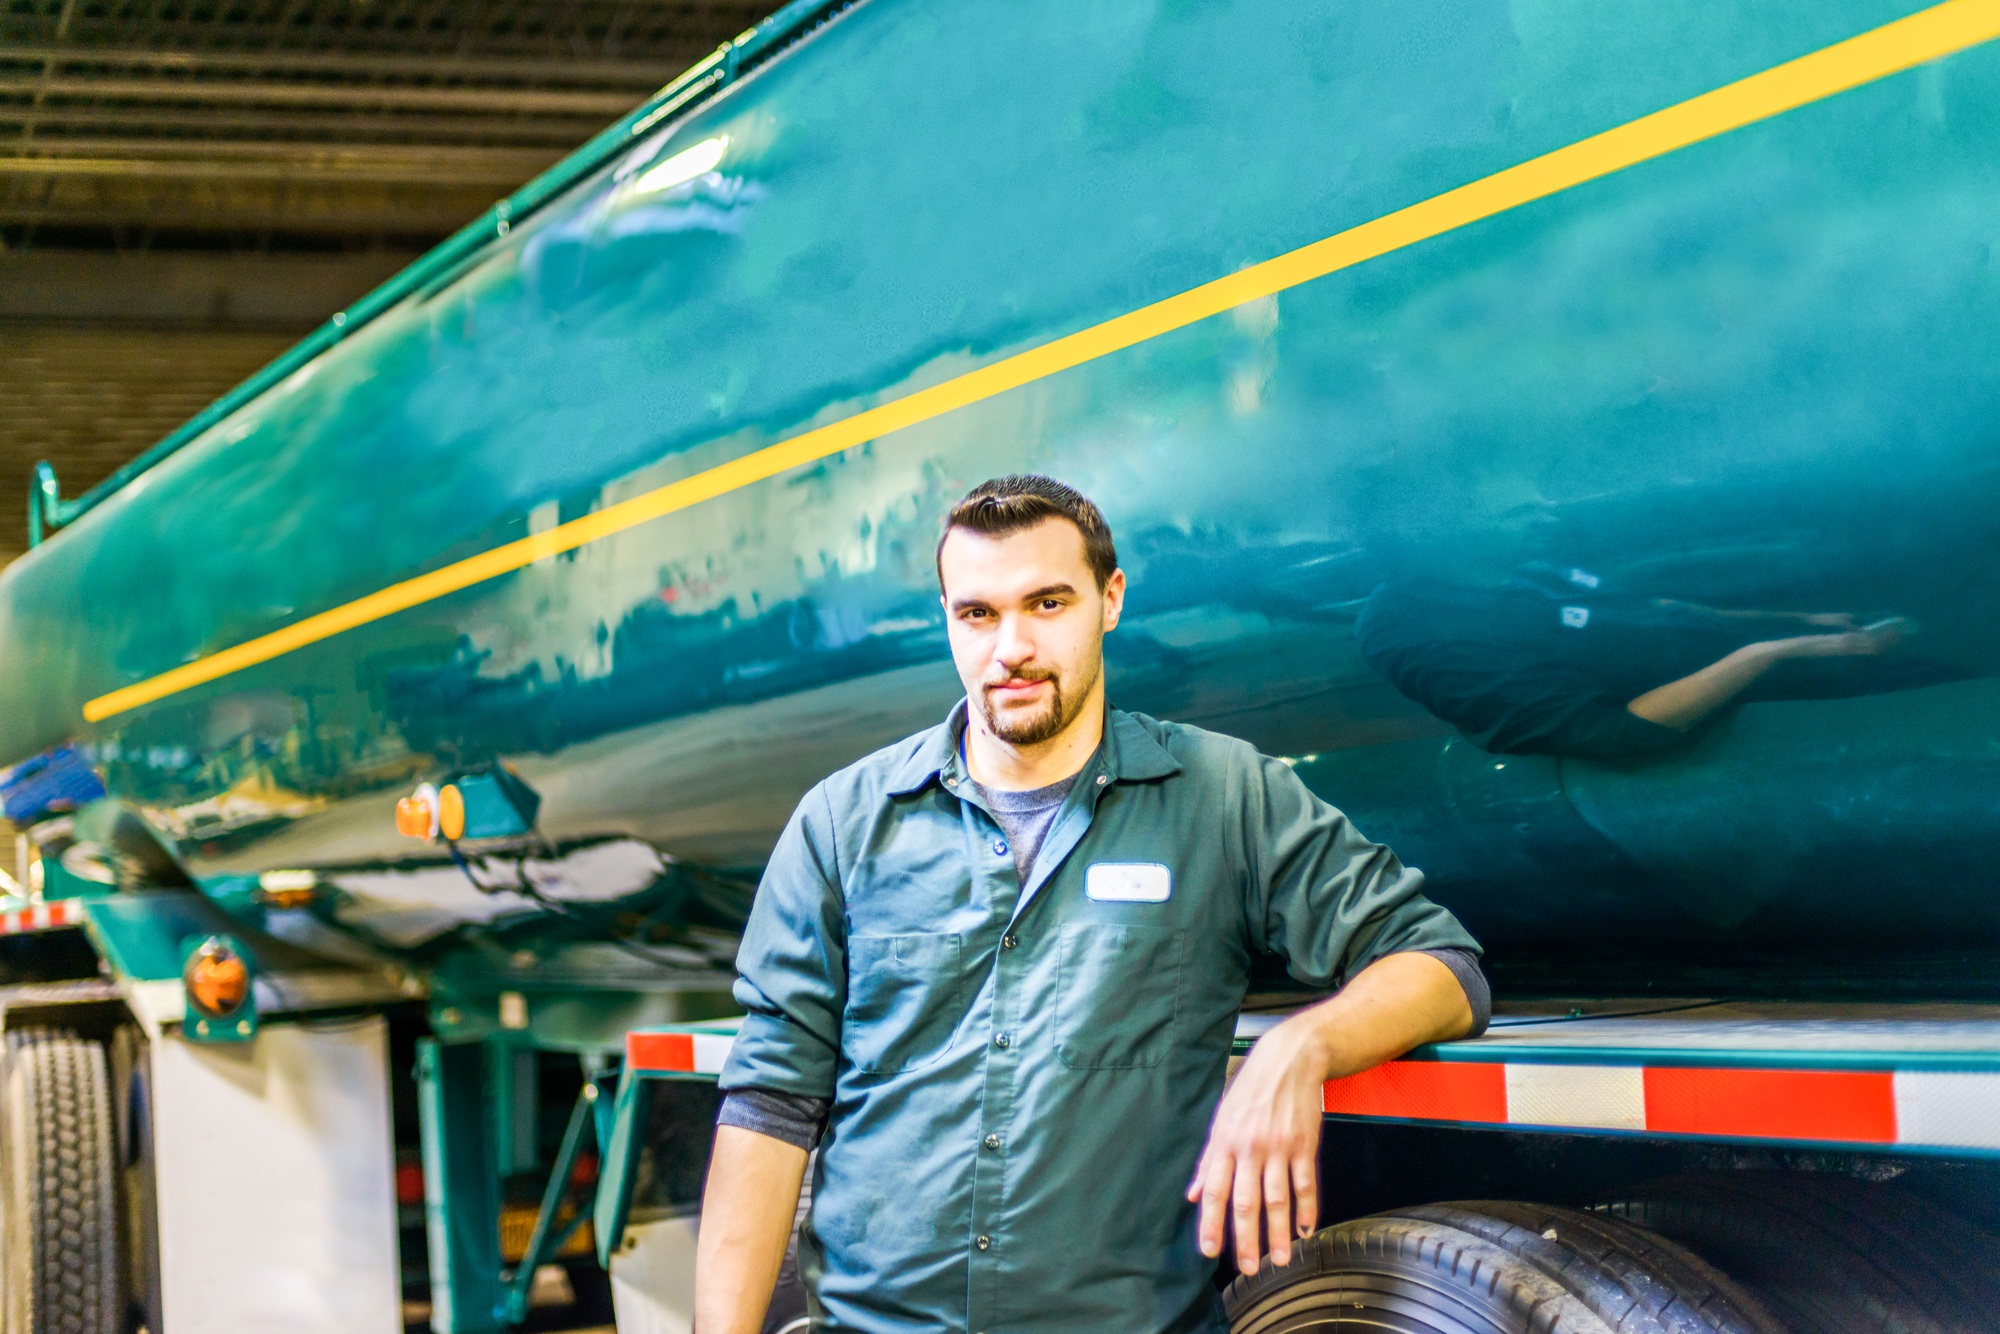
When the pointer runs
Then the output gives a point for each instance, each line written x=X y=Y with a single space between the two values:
x=609 y=105
x=502 y=168
x=170 y=289
x=344 y=126
x=644 y=74
x=247 y=206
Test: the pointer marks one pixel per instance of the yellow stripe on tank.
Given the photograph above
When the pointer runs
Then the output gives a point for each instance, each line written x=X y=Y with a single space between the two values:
x=1926 y=35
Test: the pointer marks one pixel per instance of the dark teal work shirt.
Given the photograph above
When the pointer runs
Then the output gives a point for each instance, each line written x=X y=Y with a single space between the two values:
x=1022 y=1075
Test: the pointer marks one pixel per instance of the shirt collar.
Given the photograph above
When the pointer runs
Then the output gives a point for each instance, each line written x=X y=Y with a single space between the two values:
x=1128 y=754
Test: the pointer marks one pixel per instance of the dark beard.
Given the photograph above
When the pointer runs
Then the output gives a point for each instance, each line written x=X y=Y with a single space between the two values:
x=1029 y=731
x=1060 y=713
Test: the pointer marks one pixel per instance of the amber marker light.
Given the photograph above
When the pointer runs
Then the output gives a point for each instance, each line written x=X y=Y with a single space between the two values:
x=217 y=979
x=451 y=813
x=417 y=814
x=287 y=889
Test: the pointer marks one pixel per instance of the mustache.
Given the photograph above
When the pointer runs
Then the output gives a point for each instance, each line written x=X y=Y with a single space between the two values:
x=1024 y=674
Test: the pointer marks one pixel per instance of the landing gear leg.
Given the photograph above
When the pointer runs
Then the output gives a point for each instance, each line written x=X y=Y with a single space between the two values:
x=461 y=1197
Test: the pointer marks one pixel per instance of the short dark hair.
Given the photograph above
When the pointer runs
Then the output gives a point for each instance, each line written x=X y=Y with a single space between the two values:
x=1010 y=504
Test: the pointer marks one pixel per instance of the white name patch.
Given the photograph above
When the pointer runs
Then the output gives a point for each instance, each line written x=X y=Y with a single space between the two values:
x=1128 y=882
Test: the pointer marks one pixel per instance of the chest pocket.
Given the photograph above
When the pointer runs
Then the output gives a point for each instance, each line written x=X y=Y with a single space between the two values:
x=1117 y=993
x=902 y=1000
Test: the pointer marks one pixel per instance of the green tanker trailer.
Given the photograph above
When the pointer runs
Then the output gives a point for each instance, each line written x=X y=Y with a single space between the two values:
x=1471 y=387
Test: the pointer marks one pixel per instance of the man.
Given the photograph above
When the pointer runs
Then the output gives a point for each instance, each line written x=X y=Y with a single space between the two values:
x=997 y=967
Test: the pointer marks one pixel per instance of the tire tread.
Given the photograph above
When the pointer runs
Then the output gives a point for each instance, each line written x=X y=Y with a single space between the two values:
x=1596 y=1275
x=61 y=1081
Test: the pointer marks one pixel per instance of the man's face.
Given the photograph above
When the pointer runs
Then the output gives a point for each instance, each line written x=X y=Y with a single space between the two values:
x=1027 y=625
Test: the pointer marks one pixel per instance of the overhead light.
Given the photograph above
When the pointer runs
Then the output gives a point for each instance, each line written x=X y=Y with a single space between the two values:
x=683 y=166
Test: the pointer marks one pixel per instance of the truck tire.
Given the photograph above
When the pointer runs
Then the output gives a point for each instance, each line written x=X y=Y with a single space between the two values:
x=1832 y=1255
x=1491 y=1267
x=58 y=1171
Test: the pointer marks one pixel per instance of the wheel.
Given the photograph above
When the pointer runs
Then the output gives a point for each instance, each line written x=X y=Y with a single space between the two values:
x=1491 y=1267
x=1832 y=1255
x=58 y=1172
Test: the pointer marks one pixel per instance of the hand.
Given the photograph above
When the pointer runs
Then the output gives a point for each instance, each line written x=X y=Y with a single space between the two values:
x=1832 y=620
x=1261 y=1162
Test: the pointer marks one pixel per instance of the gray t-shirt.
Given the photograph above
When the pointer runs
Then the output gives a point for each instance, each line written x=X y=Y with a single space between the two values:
x=1025 y=817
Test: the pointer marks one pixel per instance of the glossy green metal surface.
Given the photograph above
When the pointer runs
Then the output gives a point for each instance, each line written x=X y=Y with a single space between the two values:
x=1755 y=374
x=461 y=1196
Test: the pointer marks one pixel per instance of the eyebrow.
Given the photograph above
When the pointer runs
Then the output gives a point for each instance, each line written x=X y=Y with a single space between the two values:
x=1048 y=591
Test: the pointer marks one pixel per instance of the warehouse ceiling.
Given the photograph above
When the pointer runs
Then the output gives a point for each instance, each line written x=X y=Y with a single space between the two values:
x=186 y=186
x=291 y=123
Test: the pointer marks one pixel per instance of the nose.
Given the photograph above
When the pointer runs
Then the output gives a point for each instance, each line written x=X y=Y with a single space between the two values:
x=1014 y=645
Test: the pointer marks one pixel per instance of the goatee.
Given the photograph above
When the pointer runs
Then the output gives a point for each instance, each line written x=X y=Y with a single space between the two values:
x=1033 y=729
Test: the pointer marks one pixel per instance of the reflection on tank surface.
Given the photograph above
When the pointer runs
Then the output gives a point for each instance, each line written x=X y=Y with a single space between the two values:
x=1563 y=662
x=1748 y=388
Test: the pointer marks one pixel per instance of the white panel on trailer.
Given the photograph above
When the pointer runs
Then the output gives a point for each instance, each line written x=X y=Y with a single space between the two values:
x=652 y=1277
x=276 y=1178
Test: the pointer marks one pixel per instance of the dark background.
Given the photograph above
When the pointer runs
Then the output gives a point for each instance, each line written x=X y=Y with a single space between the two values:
x=188 y=186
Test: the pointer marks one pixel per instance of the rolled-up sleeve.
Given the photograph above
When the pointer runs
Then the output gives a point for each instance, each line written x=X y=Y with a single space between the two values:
x=792 y=966
x=1324 y=897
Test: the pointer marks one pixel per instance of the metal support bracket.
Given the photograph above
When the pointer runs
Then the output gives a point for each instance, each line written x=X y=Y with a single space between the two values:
x=547 y=1240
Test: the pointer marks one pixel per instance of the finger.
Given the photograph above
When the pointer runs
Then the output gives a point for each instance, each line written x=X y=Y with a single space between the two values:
x=1194 y=1182
x=1278 y=1210
x=1214 y=1203
x=1305 y=1194
x=1247 y=1214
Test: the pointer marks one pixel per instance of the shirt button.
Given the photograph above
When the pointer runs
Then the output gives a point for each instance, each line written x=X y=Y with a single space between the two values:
x=1102 y=779
x=982 y=1242
x=999 y=848
x=1009 y=942
x=991 y=1141
x=1001 y=1040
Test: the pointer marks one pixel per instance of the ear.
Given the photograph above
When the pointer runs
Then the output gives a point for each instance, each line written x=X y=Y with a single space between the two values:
x=1114 y=600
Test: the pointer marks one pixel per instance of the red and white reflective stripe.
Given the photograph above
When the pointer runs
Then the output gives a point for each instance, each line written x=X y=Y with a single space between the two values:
x=42 y=917
x=1935 y=1108
x=678 y=1053
x=1931 y=1108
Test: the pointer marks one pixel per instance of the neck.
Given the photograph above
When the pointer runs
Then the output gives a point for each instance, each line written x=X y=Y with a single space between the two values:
x=1007 y=767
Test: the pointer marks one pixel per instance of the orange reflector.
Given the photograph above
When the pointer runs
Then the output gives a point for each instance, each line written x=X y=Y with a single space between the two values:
x=218 y=981
x=416 y=817
x=451 y=812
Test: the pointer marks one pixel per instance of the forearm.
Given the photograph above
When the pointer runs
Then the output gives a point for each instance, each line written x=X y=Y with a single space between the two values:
x=746 y=1223
x=1260 y=1162
x=1685 y=702
x=1394 y=1004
